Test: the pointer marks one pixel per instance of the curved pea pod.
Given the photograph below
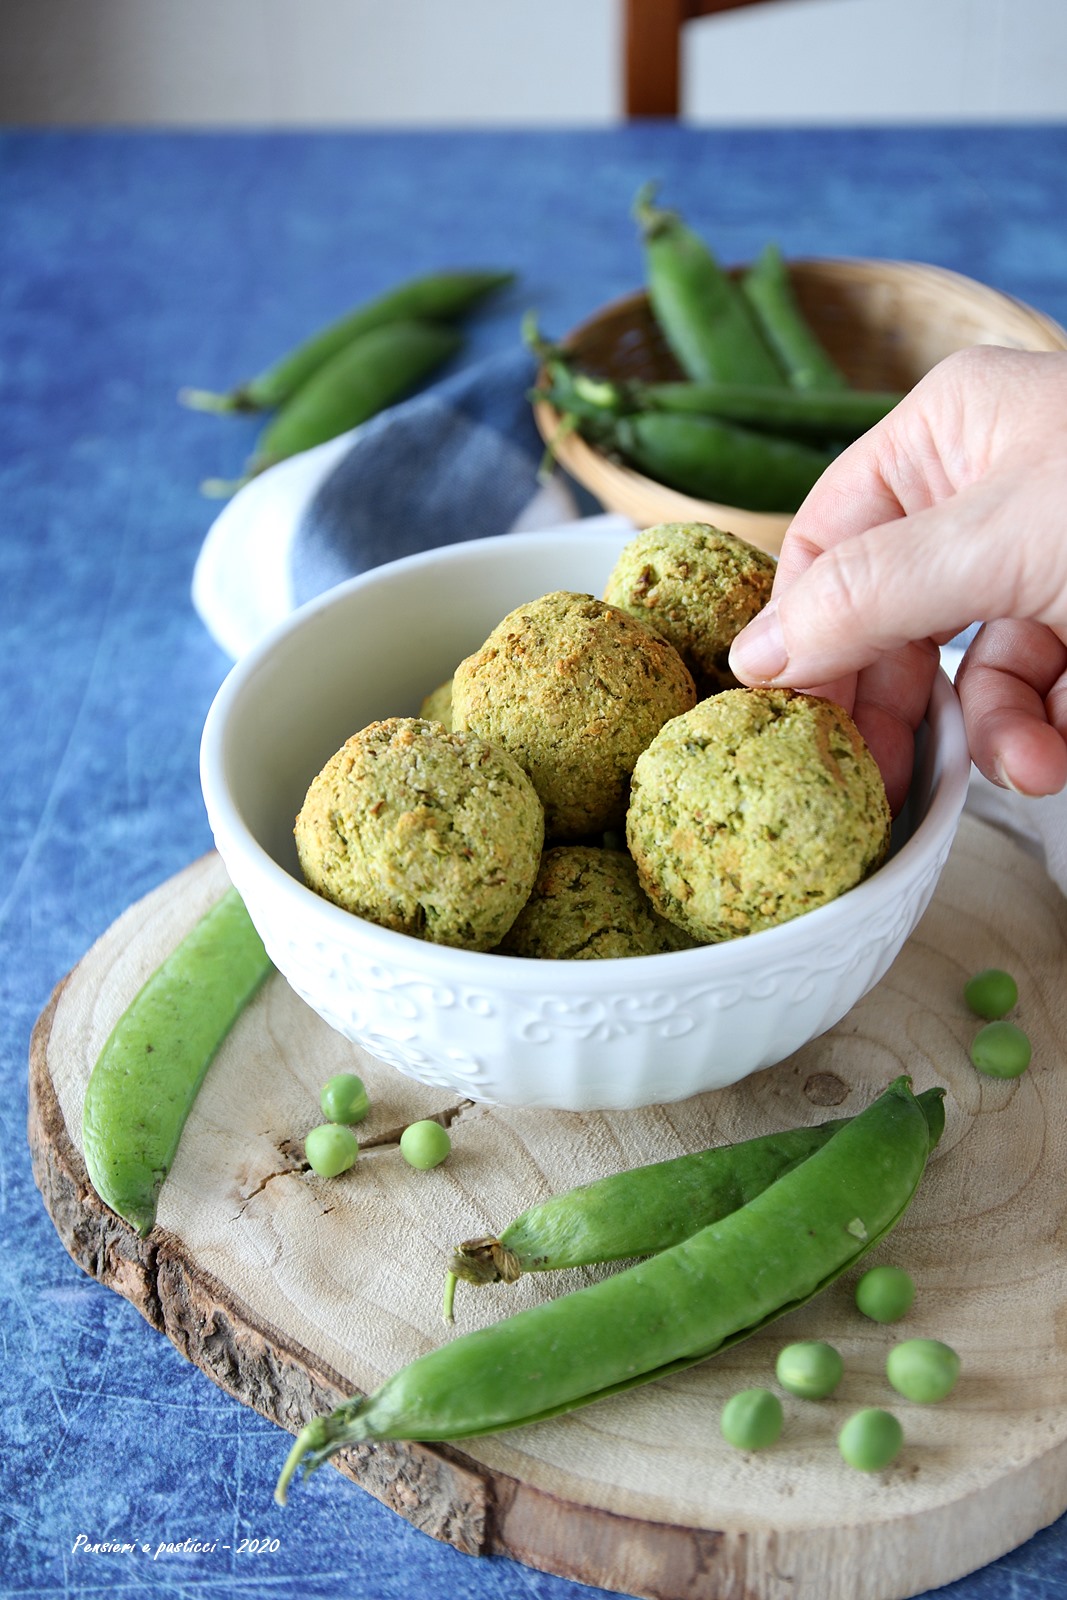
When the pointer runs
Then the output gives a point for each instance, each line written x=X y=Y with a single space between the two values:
x=144 y=1083
x=717 y=460
x=702 y=313
x=638 y=1212
x=441 y=296
x=663 y=1314
x=367 y=375
x=769 y=291
x=649 y=1208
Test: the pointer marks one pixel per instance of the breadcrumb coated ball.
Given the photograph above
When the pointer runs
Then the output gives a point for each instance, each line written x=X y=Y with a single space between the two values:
x=698 y=587
x=757 y=805
x=587 y=905
x=428 y=832
x=437 y=706
x=574 y=689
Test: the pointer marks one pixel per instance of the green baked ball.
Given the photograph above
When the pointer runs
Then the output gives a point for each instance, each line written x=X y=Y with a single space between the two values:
x=587 y=905
x=698 y=587
x=428 y=832
x=754 y=807
x=573 y=689
x=437 y=707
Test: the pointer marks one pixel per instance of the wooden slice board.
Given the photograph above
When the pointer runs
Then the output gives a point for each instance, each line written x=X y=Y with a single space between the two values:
x=293 y=1292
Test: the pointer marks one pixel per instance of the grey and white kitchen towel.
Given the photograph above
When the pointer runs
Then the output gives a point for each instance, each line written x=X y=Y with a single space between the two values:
x=459 y=461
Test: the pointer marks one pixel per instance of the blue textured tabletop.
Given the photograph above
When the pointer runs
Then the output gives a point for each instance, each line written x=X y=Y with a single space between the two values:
x=129 y=265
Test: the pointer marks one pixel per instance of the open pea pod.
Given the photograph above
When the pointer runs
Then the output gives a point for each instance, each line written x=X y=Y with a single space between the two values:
x=670 y=1311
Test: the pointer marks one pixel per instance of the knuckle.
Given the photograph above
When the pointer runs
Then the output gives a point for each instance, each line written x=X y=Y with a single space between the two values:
x=846 y=586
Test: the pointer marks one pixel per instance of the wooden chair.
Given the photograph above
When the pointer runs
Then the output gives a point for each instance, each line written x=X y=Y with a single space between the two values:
x=653 y=35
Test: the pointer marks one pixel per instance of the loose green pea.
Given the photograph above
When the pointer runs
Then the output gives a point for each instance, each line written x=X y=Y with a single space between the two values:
x=885 y=1294
x=991 y=993
x=752 y=1419
x=424 y=1144
x=330 y=1149
x=924 y=1370
x=1001 y=1050
x=870 y=1439
x=811 y=1369
x=343 y=1098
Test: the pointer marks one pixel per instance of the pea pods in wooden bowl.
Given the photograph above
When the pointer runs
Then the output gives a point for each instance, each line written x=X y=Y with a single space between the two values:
x=884 y=323
x=572 y=1035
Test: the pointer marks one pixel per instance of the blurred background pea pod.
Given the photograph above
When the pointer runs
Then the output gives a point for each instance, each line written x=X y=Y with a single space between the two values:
x=350 y=370
x=436 y=297
x=355 y=384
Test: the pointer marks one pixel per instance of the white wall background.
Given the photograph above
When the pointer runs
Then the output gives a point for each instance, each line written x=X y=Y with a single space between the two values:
x=520 y=62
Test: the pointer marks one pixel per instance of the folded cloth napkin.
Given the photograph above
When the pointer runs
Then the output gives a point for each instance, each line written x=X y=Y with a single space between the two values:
x=458 y=461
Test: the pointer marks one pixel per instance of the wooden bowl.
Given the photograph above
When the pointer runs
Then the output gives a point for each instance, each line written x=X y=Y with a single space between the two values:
x=885 y=323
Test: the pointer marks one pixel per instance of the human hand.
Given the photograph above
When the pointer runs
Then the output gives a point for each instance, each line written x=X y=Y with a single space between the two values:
x=951 y=510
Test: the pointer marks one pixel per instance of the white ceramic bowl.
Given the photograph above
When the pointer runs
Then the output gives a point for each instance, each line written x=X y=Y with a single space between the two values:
x=575 y=1035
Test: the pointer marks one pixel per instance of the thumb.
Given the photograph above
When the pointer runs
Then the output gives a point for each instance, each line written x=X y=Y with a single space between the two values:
x=928 y=575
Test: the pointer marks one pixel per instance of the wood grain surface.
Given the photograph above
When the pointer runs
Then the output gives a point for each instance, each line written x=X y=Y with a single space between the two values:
x=292 y=1291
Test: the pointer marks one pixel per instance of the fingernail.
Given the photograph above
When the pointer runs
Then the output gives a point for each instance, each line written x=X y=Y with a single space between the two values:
x=1000 y=777
x=759 y=652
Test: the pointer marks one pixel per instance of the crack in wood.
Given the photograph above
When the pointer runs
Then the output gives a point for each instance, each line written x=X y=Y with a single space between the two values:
x=391 y=1136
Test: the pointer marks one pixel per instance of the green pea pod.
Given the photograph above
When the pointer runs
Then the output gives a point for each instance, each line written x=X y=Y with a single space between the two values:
x=769 y=291
x=716 y=460
x=802 y=413
x=702 y=313
x=668 y=1312
x=440 y=296
x=648 y=1208
x=371 y=372
x=143 y=1085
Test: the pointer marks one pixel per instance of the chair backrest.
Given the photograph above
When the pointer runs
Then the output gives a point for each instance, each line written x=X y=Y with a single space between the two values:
x=653 y=37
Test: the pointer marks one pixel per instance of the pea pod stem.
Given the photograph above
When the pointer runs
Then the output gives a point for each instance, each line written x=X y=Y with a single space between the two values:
x=665 y=1313
x=442 y=296
x=579 y=397
x=648 y=1208
x=147 y=1076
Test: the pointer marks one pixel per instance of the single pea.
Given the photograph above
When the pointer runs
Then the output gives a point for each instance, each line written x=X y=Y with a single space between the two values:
x=1001 y=1050
x=424 y=1144
x=870 y=1439
x=331 y=1149
x=885 y=1294
x=991 y=993
x=343 y=1098
x=924 y=1370
x=752 y=1419
x=811 y=1369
